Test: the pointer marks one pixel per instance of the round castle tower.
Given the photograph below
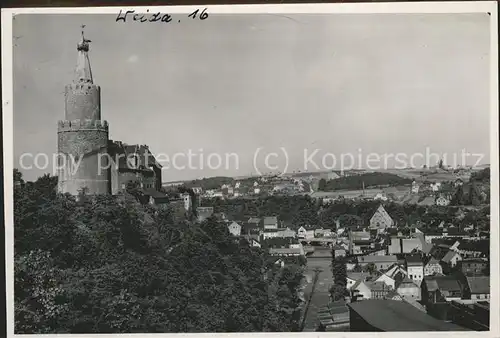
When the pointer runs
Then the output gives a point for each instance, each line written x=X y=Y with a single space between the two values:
x=82 y=136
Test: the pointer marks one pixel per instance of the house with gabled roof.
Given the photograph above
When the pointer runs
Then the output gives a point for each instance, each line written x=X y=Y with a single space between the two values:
x=392 y=276
x=427 y=201
x=379 y=290
x=254 y=243
x=271 y=222
x=286 y=233
x=451 y=258
x=394 y=269
x=355 y=277
x=477 y=288
x=304 y=233
x=407 y=288
x=415 y=268
x=361 y=289
x=381 y=220
x=378 y=315
x=432 y=267
x=234 y=229
x=437 y=291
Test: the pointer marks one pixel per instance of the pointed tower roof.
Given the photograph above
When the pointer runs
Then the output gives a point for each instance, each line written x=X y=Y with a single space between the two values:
x=83 y=72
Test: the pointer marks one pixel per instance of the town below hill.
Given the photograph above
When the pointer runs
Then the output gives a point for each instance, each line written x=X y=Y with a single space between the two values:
x=186 y=259
x=456 y=187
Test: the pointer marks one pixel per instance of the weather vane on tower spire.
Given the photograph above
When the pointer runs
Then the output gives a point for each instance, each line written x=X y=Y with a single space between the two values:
x=84 y=44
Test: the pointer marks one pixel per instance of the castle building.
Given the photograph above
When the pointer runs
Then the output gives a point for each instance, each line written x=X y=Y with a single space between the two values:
x=88 y=160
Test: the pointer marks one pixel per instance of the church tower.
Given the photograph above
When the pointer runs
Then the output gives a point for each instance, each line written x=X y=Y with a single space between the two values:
x=82 y=135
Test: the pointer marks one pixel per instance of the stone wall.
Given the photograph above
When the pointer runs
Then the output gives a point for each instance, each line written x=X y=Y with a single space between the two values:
x=83 y=160
x=82 y=101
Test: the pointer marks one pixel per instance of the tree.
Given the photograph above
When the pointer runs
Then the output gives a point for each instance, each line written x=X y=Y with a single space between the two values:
x=474 y=196
x=486 y=270
x=133 y=188
x=327 y=218
x=350 y=221
x=339 y=271
x=458 y=197
x=18 y=177
x=322 y=184
x=108 y=264
x=337 y=292
x=370 y=268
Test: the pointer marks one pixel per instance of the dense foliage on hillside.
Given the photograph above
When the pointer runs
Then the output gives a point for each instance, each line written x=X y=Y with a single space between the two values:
x=106 y=264
x=295 y=211
x=356 y=182
x=481 y=176
x=210 y=182
x=475 y=192
x=339 y=271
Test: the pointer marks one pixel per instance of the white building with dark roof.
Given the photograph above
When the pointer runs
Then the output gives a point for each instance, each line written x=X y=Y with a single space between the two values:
x=380 y=262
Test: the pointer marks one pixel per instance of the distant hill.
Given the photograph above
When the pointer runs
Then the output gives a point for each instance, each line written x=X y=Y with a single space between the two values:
x=210 y=182
x=376 y=179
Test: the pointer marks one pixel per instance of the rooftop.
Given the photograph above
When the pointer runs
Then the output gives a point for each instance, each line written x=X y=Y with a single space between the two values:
x=378 y=286
x=285 y=251
x=378 y=259
x=407 y=282
x=449 y=255
x=479 y=285
x=433 y=261
x=392 y=315
x=429 y=200
x=132 y=157
x=413 y=260
x=357 y=275
x=443 y=283
x=270 y=220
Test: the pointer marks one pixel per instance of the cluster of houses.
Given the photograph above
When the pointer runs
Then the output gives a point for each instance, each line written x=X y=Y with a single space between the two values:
x=445 y=277
x=442 y=272
x=257 y=187
x=424 y=194
x=281 y=184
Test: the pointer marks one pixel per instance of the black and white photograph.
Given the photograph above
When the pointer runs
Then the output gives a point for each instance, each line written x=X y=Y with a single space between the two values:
x=245 y=169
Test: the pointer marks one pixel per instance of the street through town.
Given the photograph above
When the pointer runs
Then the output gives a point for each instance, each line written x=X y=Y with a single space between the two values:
x=319 y=279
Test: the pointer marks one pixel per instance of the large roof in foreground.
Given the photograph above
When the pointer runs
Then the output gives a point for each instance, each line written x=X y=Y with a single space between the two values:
x=392 y=315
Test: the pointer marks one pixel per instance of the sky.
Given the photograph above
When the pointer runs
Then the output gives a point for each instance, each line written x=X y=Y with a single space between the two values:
x=322 y=85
